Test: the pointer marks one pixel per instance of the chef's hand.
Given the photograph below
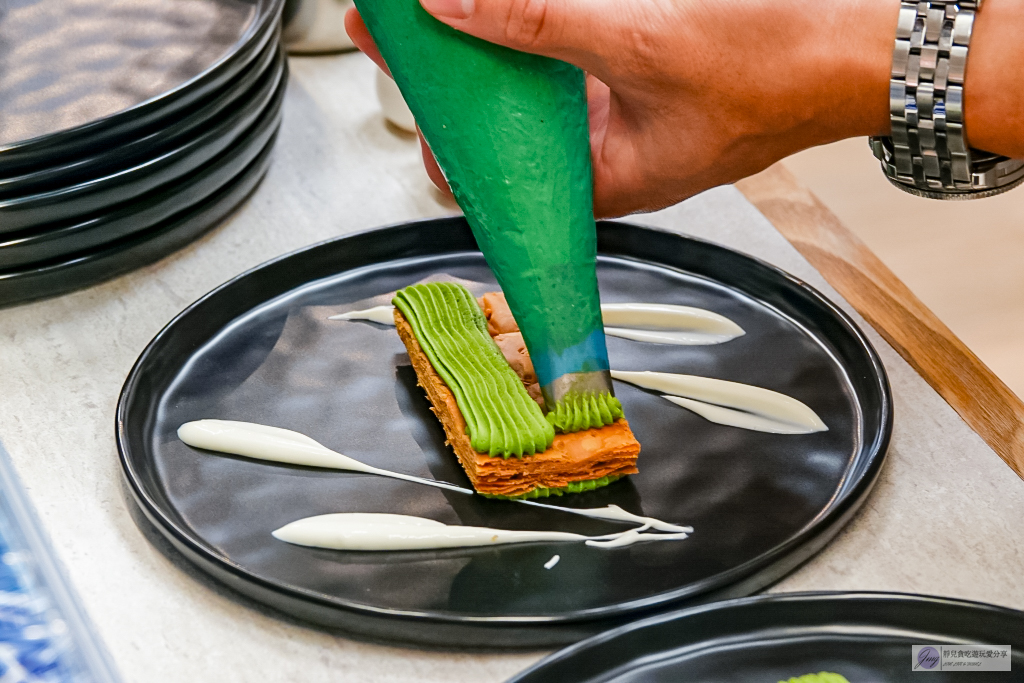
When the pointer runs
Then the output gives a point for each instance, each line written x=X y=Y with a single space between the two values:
x=685 y=95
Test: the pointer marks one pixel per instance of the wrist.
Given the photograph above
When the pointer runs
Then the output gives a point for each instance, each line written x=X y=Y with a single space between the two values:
x=857 y=48
x=843 y=61
x=993 y=99
x=794 y=75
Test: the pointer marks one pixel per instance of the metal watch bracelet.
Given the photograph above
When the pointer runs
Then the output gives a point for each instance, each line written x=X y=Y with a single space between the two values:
x=927 y=154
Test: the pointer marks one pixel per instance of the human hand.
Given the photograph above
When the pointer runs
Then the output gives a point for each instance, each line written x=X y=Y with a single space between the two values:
x=685 y=95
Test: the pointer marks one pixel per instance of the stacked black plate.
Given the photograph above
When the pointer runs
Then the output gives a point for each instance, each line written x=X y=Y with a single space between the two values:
x=127 y=129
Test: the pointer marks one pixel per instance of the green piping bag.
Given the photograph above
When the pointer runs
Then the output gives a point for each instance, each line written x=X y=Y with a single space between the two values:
x=509 y=130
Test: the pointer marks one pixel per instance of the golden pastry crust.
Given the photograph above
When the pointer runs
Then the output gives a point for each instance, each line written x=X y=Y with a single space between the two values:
x=580 y=456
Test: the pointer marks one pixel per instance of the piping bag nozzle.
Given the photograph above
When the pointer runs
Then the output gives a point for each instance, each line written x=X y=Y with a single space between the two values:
x=510 y=131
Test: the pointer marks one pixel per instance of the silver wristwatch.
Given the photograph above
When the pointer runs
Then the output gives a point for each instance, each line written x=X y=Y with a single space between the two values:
x=927 y=154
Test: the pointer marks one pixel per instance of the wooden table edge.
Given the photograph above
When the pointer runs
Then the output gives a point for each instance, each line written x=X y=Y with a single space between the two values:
x=968 y=385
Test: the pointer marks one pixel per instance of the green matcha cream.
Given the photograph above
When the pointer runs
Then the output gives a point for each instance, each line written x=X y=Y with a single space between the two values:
x=510 y=131
x=501 y=417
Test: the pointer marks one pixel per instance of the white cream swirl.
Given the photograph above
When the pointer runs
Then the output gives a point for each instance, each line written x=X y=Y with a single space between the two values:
x=377 y=531
x=730 y=403
x=274 y=444
x=668 y=324
x=654 y=323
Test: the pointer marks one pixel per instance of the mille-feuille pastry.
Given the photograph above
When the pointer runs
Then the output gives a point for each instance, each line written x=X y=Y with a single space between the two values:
x=476 y=371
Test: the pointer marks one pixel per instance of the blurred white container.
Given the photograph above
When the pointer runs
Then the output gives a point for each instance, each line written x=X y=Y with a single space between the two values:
x=393 y=105
x=315 y=26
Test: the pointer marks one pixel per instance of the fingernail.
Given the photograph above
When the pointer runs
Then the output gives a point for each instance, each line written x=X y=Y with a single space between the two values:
x=449 y=9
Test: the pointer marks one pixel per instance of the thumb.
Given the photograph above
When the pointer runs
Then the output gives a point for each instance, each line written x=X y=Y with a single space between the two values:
x=570 y=30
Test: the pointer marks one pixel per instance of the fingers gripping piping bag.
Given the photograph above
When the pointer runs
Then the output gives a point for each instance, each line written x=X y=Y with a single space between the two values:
x=510 y=131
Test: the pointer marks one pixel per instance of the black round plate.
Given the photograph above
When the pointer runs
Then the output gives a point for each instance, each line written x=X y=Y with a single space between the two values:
x=137 y=250
x=129 y=153
x=99 y=195
x=115 y=69
x=34 y=248
x=260 y=349
x=866 y=637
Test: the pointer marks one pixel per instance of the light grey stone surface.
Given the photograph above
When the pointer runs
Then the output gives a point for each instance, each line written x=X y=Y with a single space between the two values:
x=941 y=521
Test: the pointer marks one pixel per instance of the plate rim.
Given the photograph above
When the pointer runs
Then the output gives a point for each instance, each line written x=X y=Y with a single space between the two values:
x=54 y=176
x=267 y=122
x=125 y=214
x=605 y=637
x=266 y=14
x=224 y=132
x=171 y=229
x=827 y=524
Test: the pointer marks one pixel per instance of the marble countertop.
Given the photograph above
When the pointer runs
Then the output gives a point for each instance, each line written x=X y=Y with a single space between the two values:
x=942 y=519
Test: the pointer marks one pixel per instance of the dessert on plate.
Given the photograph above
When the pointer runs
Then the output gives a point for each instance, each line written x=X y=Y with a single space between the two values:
x=473 y=364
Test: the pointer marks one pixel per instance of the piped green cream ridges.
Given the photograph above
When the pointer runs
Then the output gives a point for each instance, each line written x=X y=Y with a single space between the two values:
x=576 y=412
x=501 y=418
